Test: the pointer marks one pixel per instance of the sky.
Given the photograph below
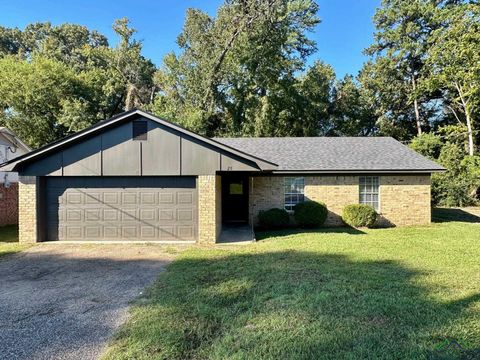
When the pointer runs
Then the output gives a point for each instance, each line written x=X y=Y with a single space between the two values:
x=346 y=27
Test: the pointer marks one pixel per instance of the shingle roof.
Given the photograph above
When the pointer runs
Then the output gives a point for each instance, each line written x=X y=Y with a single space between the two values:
x=335 y=153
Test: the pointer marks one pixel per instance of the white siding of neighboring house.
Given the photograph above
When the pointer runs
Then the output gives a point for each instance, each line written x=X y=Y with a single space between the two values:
x=6 y=154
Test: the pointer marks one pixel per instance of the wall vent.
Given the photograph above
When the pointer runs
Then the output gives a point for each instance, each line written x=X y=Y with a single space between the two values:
x=139 y=130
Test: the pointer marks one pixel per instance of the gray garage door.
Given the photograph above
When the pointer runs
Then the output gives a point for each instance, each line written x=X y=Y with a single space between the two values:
x=121 y=208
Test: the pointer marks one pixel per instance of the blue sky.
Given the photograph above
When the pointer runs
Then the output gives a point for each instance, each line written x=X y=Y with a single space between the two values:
x=346 y=27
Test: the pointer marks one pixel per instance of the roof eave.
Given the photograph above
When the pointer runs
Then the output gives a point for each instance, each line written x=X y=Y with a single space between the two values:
x=360 y=171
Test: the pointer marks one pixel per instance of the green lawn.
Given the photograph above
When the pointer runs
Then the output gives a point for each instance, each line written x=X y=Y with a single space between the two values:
x=334 y=294
x=9 y=240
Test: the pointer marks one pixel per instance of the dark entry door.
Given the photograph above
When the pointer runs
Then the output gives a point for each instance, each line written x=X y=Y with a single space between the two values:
x=235 y=198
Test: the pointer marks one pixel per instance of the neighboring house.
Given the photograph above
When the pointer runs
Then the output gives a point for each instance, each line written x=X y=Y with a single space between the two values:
x=138 y=177
x=10 y=148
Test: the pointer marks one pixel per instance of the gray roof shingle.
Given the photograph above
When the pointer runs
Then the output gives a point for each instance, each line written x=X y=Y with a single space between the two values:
x=334 y=153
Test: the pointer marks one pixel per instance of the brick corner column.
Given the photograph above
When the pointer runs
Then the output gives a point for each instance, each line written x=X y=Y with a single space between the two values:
x=27 y=209
x=209 y=208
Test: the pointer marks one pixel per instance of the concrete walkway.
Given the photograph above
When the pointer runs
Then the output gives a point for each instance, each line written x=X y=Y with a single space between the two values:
x=236 y=234
x=64 y=302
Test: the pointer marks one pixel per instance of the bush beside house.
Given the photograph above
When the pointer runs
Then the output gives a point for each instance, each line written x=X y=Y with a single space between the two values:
x=310 y=214
x=359 y=215
x=273 y=219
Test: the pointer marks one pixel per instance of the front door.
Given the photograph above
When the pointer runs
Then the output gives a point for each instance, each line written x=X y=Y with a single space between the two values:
x=235 y=198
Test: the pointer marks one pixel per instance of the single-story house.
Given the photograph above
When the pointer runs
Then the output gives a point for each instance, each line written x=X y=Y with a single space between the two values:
x=11 y=147
x=138 y=177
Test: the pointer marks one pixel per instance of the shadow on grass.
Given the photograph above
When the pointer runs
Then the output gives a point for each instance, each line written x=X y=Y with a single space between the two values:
x=440 y=215
x=294 y=305
x=9 y=234
x=264 y=234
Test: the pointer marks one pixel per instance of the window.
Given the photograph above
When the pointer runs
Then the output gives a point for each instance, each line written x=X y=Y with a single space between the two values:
x=369 y=193
x=236 y=188
x=294 y=192
x=139 y=130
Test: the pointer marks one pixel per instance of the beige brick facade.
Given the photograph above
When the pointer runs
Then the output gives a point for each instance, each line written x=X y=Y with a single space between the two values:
x=404 y=199
x=27 y=209
x=209 y=208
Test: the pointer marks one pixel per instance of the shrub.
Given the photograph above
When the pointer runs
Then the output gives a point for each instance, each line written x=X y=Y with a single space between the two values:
x=274 y=219
x=310 y=214
x=359 y=215
x=459 y=185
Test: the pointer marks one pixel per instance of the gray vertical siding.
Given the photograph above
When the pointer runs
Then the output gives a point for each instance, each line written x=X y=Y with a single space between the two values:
x=166 y=152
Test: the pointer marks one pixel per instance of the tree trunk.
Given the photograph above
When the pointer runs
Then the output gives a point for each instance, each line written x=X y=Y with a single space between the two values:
x=470 y=134
x=466 y=108
x=415 y=105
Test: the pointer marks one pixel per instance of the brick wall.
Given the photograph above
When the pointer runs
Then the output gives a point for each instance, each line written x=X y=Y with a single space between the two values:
x=27 y=209
x=404 y=200
x=335 y=191
x=9 y=204
x=266 y=192
x=209 y=208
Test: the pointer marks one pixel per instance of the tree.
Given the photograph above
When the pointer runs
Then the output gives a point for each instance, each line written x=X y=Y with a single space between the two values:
x=65 y=42
x=133 y=70
x=454 y=56
x=455 y=186
x=56 y=80
x=32 y=94
x=397 y=72
x=352 y=113
x=234 y=68
x=427 y=144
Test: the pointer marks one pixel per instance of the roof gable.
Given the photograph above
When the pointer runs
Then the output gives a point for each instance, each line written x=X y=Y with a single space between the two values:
x=194 y=141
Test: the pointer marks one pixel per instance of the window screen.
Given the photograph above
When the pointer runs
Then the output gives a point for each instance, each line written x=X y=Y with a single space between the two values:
x=369 y=191
x=139 y=130
x=293 y=192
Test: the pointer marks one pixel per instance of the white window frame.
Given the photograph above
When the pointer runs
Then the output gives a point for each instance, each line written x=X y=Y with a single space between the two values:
x=369 y=189
x=293 y=192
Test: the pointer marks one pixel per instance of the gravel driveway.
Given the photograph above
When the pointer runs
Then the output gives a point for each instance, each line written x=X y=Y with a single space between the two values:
x=64 y=301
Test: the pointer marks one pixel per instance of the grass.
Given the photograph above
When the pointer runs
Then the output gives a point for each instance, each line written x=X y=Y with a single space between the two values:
x=9 y=240
x=404 y=293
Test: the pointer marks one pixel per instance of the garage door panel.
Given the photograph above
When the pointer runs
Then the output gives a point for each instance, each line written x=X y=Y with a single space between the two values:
x=129 y=232
x=93 y=198
x=74 y=232
x=93 y=215
x=186 y=231
x=111 y=215
x=184 y=214
x=184 y=198
x=166 y=215
x=111 y=198
x=148 y=198
x=93 y=232
x=129 y=215
x=166 y=198
x=166 y=232
x=129 y=198
x=148 y=214
x=121 y=208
